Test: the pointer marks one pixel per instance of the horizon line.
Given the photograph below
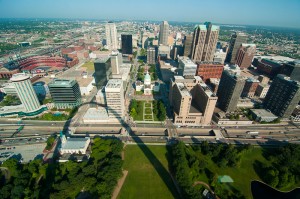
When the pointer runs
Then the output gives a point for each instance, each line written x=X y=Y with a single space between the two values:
x=150 y=20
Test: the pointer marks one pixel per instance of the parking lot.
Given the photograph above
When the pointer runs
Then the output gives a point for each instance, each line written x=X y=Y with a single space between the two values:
x=24 y=153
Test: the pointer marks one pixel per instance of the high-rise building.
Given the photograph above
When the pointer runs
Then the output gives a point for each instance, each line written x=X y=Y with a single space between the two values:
x=192 y=101
x=187 y=67
x=204 y=42
x=188 y=45
x=245 y=55
x=207 y=70
x=126 y=44
x=164 y=33
x=292 y=70
x=103 y=71
x=111 y=36
x=65 y=93
x=283 y=96
x=236 y=41
x=25 y=91
x=151 y=55
x=210 y=42
x=229 y=91
x=116 y=61
x=114 y=94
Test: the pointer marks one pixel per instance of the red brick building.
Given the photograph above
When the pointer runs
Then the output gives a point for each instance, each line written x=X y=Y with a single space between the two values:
x=207 y=70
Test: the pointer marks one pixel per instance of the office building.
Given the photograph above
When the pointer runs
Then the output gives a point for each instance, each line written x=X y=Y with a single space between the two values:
x=116 y=61
x=219 y=56
x=188 y=45
x=25 y=91
x=235 y=42
x=207 y=70
x=192 y=101
x=229 y=91
x=65 y=93
x=164 y=33
x=292 y=70
x=245 y=55
x=250 y=87
x=204 y=42
x=126 y=41
x=268 y=67
x=114 y=94
x=103 y=71
x=262 y=90
x=151 y=58
x=186 y=67
x=283 y=96
x=111 y=36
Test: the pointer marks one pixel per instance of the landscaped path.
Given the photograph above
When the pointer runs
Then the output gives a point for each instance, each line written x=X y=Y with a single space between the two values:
x=146 y=114
x=207 y=186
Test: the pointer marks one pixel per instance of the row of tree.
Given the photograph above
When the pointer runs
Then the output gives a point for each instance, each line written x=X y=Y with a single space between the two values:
x=136 y=108
x=159 y=110
x=95 y=178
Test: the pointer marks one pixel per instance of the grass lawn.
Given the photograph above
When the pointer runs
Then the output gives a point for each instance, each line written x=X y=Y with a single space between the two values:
x=139 y=92
x=89 y=66
x=148 y=175
x=148 y=117
x=243 y=175
x=147 y=104
x=148 y=110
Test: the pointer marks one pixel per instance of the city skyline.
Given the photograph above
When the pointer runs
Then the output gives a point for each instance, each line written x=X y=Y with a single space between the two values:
x=217 y=11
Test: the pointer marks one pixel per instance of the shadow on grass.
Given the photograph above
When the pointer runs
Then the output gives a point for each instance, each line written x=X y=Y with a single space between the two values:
x=159 y=167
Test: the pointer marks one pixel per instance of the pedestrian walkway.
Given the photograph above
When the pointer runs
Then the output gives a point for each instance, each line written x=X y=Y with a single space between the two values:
x=148 y=111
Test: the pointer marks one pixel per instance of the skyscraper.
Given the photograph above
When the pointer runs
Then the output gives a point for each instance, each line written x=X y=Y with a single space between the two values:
x=126 y=41
x=103 y=71
x=188 y=45
x=116 y=61
x=283 y=96
x=245 y=55
x=114 y=94
x=151 y=55
x=210 y=42
x=111 y=36
x=25 y=91
x=164 y=33
x=204 y=42
x=236 y=41
x=229 y=91
x=65 y=93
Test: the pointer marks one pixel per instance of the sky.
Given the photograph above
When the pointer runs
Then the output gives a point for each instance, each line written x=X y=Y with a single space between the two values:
x=284 y=13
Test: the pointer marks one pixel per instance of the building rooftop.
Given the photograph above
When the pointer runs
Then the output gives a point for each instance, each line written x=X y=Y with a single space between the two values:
x=263 y=113
x=207 y=91
x=102 y=59
x=114 y=83
x=202 y=27
x=19 y=77
x=75 y=143
x=62 y=82
x=99 y=113
x=183 y=90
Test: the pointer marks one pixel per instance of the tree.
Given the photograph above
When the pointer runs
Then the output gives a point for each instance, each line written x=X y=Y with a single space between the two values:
x=133 y=113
